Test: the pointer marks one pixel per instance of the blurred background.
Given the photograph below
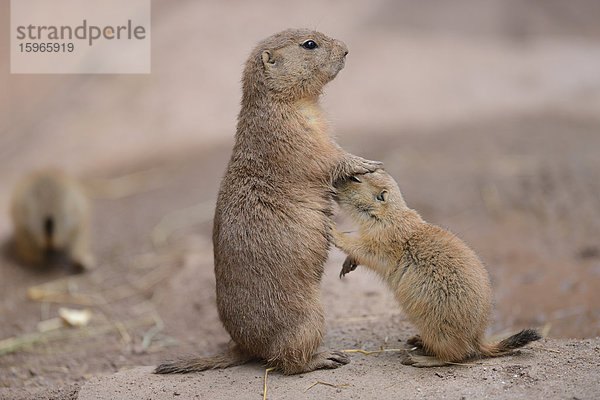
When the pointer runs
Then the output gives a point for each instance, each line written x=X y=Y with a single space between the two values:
x=487 y=113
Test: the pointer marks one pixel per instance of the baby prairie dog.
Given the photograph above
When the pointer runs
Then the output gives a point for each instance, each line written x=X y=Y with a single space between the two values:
x=50 y=215
x=439 y=281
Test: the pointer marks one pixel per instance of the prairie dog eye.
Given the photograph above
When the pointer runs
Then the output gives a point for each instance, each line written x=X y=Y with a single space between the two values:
x=309 y=45
x=355 y=179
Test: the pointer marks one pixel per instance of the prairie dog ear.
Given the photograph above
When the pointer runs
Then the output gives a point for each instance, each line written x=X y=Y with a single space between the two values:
x=382 y=197
x=267 y=58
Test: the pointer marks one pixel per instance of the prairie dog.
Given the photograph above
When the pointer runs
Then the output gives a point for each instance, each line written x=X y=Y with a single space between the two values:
x=50 y=213
x=438 y=280
x=271 y=234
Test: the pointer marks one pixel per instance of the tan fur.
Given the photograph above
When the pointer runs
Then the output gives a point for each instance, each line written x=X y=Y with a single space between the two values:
x=440 y=282
x=50 y=212
x=271 y=222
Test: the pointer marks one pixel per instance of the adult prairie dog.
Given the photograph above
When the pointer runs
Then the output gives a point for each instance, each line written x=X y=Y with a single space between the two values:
x=271 y=235
x=438 y=280
x=50 y=214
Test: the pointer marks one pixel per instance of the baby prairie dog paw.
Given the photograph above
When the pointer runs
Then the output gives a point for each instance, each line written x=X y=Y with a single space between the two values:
x=350 y=264
x=339 y=239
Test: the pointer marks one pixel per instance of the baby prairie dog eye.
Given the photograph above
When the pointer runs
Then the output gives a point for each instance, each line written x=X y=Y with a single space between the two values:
x=382 y=197
x=309 y=45
x=354 y=179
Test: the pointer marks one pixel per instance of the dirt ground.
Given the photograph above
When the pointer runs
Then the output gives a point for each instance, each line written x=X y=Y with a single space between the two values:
x=542 y=372
x=486 y=114
x=154 y=299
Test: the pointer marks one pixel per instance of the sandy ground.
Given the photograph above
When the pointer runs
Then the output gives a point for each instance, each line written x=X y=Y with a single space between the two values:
x=533 y=373
x=154 y=299
x=485 y=112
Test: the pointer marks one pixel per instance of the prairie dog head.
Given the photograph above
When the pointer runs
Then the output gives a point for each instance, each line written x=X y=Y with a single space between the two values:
x=294 y=64
x=369 y=197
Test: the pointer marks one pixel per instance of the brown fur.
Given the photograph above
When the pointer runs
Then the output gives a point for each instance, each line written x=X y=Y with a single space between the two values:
x=440 y=282
x=271 y=222
x=50 y=213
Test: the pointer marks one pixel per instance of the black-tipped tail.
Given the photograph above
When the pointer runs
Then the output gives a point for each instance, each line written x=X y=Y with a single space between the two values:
x=520 y=339
x=510 y=343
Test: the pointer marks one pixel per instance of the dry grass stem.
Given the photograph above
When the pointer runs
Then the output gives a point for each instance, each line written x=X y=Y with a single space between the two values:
x=326 y=384
x=266 y=374
x=381 y=350
x=40 y=294
x=15 y=343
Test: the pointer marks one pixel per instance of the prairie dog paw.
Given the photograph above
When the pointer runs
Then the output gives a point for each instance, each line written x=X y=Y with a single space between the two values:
x=349 y=265
x=363 y=166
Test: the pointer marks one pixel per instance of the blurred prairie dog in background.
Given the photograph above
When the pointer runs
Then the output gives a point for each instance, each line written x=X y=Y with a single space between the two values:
x=50 y=214
x=439 y=281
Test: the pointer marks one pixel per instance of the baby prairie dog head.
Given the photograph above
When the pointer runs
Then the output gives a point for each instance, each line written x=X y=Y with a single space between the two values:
x=293 y=65
x=370 y=197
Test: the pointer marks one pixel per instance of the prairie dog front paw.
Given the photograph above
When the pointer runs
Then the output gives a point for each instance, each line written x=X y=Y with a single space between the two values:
x=350 y=264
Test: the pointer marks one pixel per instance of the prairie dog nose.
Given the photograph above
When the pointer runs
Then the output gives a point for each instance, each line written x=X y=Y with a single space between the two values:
x=343 y=46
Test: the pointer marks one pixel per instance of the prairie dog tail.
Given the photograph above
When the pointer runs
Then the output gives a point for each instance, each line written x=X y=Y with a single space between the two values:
x=229 y=358
x=49 y=231
x=510 y=343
